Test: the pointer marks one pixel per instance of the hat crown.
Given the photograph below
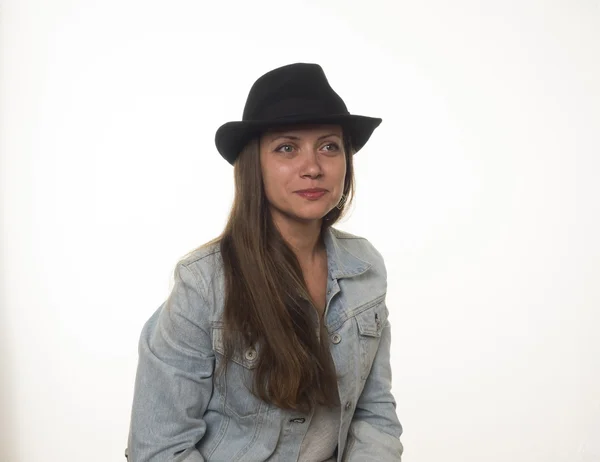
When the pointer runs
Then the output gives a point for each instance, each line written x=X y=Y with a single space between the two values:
x=298 y=89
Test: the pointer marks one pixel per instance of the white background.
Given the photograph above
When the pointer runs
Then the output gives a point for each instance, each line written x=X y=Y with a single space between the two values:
x=480 y=188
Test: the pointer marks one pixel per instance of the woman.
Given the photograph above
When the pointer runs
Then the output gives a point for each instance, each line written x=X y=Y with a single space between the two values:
x=274 y=343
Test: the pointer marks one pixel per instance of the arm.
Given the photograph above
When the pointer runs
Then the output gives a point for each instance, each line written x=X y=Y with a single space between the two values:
x=174 y=378
x=374 y=433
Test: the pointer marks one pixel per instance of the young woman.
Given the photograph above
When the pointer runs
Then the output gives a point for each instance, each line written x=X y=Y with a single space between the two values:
x=274 y=343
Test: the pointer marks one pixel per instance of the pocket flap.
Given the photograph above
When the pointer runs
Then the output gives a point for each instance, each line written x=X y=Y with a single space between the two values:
x=247 y=358
x=371 y=321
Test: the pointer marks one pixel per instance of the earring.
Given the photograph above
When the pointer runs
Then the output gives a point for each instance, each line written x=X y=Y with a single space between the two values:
x=341 y=203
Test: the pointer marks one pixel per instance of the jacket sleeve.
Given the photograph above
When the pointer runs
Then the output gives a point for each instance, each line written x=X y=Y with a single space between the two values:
x=374 y=433
x=174 y=379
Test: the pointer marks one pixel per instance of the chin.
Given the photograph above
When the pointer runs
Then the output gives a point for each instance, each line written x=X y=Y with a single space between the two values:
x=306 y=215
x=314 y=216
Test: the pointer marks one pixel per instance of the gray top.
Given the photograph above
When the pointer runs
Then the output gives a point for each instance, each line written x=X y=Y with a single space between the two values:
x=321 y=437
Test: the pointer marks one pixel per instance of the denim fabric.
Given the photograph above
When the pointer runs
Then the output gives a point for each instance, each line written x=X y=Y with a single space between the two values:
x=182 y=412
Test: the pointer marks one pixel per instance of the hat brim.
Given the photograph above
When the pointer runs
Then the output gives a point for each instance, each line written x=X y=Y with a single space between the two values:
x=231 y=137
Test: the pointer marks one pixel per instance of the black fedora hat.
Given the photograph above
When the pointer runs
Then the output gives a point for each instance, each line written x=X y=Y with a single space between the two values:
x=293 y=94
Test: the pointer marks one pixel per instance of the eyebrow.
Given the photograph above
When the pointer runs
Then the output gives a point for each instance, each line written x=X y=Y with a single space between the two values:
x=291 y=137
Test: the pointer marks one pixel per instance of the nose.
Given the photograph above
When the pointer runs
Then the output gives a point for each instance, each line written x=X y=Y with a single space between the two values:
x=311 y=167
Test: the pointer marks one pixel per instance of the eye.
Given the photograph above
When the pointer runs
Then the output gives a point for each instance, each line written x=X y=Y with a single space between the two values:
x=331 y=147
x=285 y=148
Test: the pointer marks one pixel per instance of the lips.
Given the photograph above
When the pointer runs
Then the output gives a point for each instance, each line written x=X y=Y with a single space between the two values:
x=311 y=194
x=312 y=190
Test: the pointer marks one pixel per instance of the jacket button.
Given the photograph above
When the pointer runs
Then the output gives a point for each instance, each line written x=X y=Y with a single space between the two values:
x=298 y=420
x=250 y=354
x=336 y=338
x=348 y=405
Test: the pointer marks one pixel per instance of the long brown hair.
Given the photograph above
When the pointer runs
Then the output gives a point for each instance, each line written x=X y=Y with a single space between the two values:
x=266 y=297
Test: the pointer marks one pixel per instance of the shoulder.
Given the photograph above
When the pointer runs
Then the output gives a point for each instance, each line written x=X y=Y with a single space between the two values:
x=202 y=271
x=205 y=257
x=361 y=248
x=358 y=245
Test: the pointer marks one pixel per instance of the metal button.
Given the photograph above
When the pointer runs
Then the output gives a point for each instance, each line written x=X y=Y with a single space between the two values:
x=348 y=405
x=250 y=354
x=298 y=420
x=336 y=338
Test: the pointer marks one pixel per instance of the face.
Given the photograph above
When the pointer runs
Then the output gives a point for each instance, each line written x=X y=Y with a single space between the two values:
x=303 y=170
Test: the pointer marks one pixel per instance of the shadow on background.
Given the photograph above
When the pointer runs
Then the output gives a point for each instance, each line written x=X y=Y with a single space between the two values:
x=8 y=450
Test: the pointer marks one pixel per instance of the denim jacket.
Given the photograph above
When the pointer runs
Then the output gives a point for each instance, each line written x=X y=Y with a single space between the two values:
x=182 y=412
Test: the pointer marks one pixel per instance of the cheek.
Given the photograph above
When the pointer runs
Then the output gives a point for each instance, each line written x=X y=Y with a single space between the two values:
x=275 y=181
x=339 y=173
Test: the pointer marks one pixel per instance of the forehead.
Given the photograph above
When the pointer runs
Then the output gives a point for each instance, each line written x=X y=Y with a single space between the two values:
x=304 y=130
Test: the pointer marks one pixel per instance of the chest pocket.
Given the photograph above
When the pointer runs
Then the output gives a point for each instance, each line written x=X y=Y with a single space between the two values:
x=235 y=384
x=370 y=324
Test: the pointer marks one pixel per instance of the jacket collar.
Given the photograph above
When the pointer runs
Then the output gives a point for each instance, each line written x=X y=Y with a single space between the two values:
x=342 y=263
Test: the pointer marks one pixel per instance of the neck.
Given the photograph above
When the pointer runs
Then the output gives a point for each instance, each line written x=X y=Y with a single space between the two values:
x=304 y=238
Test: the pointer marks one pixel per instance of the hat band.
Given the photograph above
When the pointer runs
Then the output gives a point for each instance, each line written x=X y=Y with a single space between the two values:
x=297 y=107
